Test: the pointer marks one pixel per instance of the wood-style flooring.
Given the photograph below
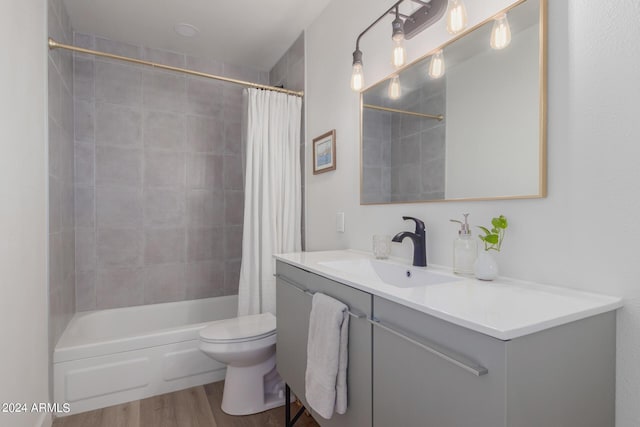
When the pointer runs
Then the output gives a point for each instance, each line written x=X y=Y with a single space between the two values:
x=194 y=407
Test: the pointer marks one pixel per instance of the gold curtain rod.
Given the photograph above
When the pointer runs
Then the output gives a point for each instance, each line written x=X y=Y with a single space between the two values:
x=438 y=117
x=55 y=45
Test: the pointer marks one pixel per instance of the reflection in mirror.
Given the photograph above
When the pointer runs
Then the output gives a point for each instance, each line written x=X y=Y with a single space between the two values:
x=477 y=131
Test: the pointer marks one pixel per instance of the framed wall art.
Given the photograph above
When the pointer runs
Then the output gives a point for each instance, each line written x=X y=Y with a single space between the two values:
x=324 y=152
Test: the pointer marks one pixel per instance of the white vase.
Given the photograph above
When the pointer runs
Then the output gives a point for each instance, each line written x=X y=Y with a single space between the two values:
x=485 y=267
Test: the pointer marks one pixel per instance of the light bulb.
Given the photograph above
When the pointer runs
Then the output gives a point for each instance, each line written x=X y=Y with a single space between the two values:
x=501 y=33
x=436 y=66
x=456 y=16
x=394 y=87
x=399 y=54
x=357 y=77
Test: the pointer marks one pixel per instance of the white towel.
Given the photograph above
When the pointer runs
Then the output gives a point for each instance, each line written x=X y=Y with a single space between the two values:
x=327 y=356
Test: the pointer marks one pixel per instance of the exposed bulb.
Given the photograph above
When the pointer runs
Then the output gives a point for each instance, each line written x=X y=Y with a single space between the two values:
x=436 y=66
x=394 y=87
x=501 y=33
x=357 y=77
x=456 y=16
x=399 y=55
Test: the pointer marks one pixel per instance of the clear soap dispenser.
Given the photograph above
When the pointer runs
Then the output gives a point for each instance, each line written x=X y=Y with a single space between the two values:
x=465 y=249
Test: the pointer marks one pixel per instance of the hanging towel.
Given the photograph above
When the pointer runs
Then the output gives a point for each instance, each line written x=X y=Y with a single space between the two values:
x=327 y=356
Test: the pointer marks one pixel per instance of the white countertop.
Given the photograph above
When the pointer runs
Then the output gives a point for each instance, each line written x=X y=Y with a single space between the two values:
x=504 y=308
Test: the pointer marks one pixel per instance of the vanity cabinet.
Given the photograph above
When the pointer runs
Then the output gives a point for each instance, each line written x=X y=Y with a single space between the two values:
x=293 y=297
x=428 y=372
x=409 y=368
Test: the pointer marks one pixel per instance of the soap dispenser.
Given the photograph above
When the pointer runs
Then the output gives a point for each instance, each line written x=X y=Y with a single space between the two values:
x=465 y=249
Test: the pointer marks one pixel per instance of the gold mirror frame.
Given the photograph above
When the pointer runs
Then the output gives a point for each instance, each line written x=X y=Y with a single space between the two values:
x=542 y=62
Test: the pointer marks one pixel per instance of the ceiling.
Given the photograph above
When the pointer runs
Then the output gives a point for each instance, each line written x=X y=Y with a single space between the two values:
x=240 y=32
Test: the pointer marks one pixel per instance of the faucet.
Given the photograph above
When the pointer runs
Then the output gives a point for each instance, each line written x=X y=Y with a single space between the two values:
x=419 y=242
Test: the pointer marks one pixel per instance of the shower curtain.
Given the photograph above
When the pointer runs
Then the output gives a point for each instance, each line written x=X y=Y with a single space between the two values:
x=272 y=207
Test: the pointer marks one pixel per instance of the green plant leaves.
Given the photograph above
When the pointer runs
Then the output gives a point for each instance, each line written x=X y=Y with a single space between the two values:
x=486 y=230
x=493 y=239
x=499 y=222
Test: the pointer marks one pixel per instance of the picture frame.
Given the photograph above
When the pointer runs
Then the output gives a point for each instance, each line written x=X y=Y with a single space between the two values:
x=324 y=152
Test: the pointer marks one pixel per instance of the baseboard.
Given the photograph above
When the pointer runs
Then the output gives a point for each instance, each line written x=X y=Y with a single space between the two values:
x=45 y=420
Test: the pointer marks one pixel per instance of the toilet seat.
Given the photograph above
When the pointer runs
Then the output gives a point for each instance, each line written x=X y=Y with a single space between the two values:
x=240 y=329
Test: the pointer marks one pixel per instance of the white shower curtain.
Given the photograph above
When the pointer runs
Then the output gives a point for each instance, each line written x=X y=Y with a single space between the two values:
x=272 y=202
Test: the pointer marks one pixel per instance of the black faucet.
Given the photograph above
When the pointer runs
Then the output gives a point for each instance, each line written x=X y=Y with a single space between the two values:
x=419 y=242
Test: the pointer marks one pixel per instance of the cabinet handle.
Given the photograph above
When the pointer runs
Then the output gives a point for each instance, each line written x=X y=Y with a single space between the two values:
x=448 y=356
x=308 y=292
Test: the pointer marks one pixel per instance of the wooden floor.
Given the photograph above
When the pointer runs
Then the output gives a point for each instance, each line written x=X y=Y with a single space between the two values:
x=194 y=407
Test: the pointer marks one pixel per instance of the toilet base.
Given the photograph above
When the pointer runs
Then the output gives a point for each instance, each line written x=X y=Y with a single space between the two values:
x=253 y=389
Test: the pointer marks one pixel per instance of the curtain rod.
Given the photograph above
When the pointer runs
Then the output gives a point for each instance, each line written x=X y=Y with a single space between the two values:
x=438 y=117
x=55 y=45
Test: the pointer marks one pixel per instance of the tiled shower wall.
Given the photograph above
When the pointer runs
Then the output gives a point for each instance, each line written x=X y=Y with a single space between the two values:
x=418 y=145
x=404 y=155
x=61 y=227
x=376 y=156
x=159 y=178
x=289 y=70
x=289 y=73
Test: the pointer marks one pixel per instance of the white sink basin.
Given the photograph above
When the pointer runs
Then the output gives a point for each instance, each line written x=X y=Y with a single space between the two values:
x=391 y=273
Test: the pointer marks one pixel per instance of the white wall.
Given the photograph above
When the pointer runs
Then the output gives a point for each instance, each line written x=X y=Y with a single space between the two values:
x=23 y=215
x=492 y=118
x=584 y=234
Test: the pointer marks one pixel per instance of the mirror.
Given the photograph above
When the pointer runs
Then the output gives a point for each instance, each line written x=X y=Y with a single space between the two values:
x=477 y=132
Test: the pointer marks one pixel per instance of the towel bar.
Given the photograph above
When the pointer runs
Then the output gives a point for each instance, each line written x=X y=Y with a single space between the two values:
x=447 y=355
x=310 y=293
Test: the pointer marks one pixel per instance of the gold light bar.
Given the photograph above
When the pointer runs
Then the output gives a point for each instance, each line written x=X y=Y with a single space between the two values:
x=438 y=117
x=55 y=45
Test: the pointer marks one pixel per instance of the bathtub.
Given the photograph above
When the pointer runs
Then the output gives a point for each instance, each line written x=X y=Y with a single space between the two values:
x=108 y=357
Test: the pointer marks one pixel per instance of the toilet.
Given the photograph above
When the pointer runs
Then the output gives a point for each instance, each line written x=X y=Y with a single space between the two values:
x=247 y=345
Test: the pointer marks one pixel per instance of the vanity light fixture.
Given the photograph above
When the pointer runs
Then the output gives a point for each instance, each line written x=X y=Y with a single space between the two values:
x=394 y=87
x=403 y=27
x=357 y=76
x=456 y=16
x=501 y=32
x=399 y=55
x=436 y=66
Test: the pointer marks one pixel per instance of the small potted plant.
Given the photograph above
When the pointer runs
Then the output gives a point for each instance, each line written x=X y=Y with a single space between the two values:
x=486 y=267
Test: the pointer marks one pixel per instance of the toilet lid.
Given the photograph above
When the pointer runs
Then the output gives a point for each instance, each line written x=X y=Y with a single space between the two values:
x=243 y=328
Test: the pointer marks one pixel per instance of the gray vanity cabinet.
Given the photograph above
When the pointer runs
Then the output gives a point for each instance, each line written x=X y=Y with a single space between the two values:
x=407 y=368
x=432 y=373
x=294 y=307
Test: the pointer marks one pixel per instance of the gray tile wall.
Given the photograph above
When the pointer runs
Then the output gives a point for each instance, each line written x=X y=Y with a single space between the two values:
x=404 y=155
x=418 y=145
x=61 y=194
x=289 y=70
x=376 y=156
x=159 y=178
x=289 y=73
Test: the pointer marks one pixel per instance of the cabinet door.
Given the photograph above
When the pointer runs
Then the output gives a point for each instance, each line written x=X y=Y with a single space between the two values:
x=564 y=376
x=294 y=307
x=415 y=387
